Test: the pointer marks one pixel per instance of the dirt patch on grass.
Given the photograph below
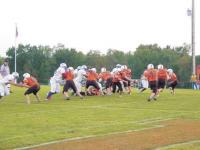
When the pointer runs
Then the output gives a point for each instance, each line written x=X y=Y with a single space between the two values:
x=174 y=131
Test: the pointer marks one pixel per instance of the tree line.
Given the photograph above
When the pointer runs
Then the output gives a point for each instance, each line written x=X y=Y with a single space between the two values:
x=41 y=61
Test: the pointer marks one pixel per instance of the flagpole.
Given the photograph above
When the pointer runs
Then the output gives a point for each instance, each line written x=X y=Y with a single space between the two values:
x=16 y=35
x=15 y=57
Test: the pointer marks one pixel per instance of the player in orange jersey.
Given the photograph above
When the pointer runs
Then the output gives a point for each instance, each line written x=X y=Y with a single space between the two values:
x=162 y=77
x=172 y=81
x=116 y=81
x=152 y=78
x=33 y=87
x=92 y=77
x=69 y=76
x=106 y=77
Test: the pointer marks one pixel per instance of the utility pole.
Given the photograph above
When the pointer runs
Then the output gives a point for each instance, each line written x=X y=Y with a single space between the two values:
x=193 y=37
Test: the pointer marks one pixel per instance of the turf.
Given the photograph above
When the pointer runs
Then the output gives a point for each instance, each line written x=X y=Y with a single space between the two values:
x=24 y=125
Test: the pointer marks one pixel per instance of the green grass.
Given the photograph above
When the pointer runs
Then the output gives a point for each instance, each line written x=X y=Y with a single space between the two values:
x=24 y=125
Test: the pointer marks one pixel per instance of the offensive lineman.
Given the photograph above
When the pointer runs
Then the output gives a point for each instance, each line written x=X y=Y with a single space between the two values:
x=56 y=80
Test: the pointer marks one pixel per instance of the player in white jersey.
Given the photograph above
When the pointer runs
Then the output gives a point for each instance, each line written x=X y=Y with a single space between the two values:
x=56 y=81
x=80 y=75
x=5 y=70
x=8 y=79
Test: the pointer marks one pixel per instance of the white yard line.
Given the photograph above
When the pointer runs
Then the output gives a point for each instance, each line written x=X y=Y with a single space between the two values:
x=89 y=127
x=90 y=136
x=178 y=144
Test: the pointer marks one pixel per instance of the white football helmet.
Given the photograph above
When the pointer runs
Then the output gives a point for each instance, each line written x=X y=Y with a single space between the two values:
x=84 y=67
x=125 y=67
x=26 y=75
x=71 y=69
x=63 y=65
x=119 y=69
x=122 y=67
x=115 y=70
x=103 y=69
x=150 y=66
x=160 y=66
x=79 y=68
x=170 y=71
x=15 y=75
x=118 y=66
x=94 y=69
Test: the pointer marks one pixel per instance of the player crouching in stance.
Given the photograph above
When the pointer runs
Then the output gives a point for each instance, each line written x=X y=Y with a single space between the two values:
x=106 y=77
x=126 y=77
x=4 y=81
x=152 y=78
x=117 y=81
x=92 y=77
x=69 y=76
x=33 y=87
x=172 y=81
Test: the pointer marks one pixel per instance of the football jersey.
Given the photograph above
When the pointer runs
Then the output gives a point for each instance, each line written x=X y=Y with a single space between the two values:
x=31 y=82
x=80 y=75
x=116 y=77
x=128 y=72
x=58 y=74
x=105 y=75
x=162 y=74
x=92 y=76
x=152 y=75
x=69 y=75
x=4 y=70
x=172 y=77
x=7 y=78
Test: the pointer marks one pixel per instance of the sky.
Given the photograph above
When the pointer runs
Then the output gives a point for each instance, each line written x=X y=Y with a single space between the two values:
x=97 y=24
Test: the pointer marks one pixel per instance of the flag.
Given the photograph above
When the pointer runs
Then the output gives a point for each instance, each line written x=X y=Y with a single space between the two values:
x=16 y=32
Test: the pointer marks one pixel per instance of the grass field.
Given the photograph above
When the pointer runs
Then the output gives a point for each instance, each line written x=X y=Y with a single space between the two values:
x=25 y=125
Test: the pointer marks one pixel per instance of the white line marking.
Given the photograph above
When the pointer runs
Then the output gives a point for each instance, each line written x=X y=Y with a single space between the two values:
x=145 y=121
x=90 y=136
x=178 y=144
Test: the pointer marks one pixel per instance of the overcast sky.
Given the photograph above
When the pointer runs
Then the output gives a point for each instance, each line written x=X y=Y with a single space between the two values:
x=97 y=24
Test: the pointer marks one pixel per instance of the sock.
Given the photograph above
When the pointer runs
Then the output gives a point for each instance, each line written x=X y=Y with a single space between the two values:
x=50 y=94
